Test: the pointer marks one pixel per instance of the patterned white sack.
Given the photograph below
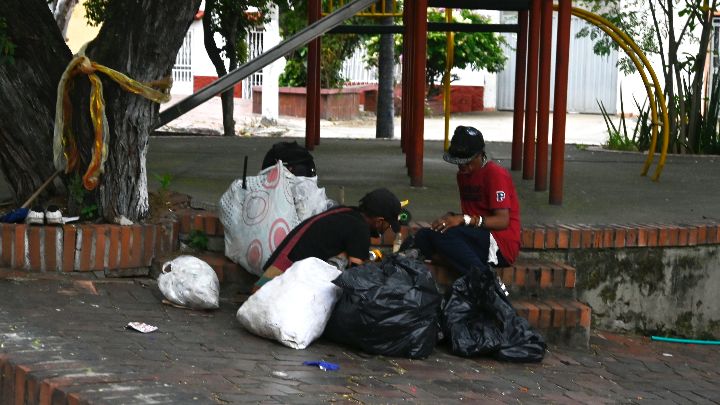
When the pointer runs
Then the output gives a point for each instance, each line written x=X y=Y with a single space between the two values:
x=258 y=218
x=190 y=282
x=294 y=307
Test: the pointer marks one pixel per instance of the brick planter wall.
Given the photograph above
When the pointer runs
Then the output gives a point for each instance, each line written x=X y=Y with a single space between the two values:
x=91 y=247
x=335 y=104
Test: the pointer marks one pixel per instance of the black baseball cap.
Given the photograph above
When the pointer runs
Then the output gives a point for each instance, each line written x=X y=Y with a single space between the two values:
x=382 y=202
x=465 y=145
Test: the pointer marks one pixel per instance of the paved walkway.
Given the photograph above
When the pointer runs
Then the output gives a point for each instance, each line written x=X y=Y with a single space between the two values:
x=70 y=334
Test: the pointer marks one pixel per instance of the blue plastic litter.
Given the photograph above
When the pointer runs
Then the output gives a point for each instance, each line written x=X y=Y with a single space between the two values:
x=15 y=216
x=322 y=365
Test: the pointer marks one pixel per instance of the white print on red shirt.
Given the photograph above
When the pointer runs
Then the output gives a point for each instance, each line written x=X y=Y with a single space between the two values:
x=500 y=196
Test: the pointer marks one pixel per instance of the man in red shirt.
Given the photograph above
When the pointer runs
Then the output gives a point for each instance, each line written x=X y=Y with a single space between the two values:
x=488 y=229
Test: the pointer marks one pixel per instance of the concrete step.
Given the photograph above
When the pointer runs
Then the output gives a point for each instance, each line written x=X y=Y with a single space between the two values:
x=560 y=321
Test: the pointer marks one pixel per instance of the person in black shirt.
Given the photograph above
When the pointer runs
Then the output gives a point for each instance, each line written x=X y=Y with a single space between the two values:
x=340 y=231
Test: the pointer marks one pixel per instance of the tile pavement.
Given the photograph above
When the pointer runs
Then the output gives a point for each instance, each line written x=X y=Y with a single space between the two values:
x=62 y=340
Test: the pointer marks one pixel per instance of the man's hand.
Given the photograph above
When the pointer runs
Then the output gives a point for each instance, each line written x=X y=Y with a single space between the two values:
x=447 y=221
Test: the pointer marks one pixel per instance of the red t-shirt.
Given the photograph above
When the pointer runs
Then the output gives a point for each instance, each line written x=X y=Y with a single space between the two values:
x=489 y=188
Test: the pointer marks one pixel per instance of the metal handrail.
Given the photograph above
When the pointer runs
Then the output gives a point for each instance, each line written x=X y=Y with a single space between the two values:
x=301 y=38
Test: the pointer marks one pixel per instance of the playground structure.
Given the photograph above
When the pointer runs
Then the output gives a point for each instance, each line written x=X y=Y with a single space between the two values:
x=532 y=76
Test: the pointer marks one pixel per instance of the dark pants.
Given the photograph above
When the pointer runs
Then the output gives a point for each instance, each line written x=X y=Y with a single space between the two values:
x=463 y=247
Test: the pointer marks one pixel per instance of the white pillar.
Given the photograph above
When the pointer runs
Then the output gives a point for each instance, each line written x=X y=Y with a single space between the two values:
x=271 y=73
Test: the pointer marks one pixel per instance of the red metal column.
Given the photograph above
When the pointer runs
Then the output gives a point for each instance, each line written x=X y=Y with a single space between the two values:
x=543 y=123
x=520 y=72
x=418 y=83
x=405 y=111
x=312 y=96
x=531 y=92
x=562 y=60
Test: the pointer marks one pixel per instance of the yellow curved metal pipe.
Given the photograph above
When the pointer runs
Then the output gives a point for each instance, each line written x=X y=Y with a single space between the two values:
x=648 y=88
x=603 y=22
x=449 y=60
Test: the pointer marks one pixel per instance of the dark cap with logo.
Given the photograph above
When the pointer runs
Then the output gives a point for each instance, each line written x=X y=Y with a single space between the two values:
x=382 y=202
x=466 y=144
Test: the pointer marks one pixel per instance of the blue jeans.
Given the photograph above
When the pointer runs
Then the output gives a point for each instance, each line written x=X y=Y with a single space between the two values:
x=463 y=247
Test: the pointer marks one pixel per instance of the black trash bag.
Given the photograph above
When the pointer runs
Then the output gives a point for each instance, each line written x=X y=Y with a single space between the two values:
x=478 y=320
x=296 y=158
x=389 y=308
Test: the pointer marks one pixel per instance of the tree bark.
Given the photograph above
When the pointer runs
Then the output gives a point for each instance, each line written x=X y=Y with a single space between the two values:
x=27 y=95
x=385 y=126
x=139 y=38
x=62 y=11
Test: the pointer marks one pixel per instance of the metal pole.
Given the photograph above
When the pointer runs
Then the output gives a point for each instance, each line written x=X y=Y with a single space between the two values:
x=541 y=150
x=418 y=102
x=520 y=73
x=531 y=92
x=312 y=99
x=562 y=60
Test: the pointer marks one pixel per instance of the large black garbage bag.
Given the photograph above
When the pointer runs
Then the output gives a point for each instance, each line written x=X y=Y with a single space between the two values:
x=478 y=320
x=391 y=308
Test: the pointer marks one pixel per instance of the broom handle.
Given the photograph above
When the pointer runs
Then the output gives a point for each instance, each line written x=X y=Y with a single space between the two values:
x=40 y=190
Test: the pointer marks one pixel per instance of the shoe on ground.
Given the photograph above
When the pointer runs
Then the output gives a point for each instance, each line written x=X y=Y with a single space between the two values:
x=35 y=216
x=53 y=216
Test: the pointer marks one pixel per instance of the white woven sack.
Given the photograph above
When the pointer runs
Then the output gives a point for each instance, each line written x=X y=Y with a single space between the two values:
x=257 y=219
x=190 y=282
x=294 y=307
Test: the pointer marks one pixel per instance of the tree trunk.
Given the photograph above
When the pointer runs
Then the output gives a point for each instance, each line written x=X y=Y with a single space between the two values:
x=386 y=83
x=139 y=38
x=62 y=11
x=698 y=79
x=27 y=95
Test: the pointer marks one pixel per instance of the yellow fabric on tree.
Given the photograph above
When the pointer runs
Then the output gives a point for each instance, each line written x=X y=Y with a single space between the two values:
x=65 y=151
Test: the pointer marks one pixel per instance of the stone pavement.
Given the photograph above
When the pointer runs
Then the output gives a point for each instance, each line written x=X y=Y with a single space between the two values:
x=64 y=340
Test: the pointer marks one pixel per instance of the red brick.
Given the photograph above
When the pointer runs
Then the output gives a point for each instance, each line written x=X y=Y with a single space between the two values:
x=136 y=246
x=545 y=318
x=586 y=237
x=563 y=238
x=584 y=314
x=522 y=308
x=149 y=233
x=631 y=237
x=527 y=238
x=674 y=236
x=87 y=234
x=125 y=234
x=198 y=222
x=702 y=234
x=692 y=236
x=570 y=278
x=608 y=239
x=8 y=387
x=50 y=242
x=8 y=231
x=642 y=235
x=572 y=315
x=714 y=233
x=185 y=222
x=545 y=277
x=520 y=276
x=212 y=224
x=539 y=239
x=551 y=238
x=113 y=252
x=558 y=313
x=68 y=255
x=683 y=236
x=575 y=237
x=34 y=242
x=558 y=276
x=19 y=253
x=663 y=235
x=652 y=236
x=620 y=235
x=101 y=240
x=533 y=315
x=21 y=373
x=506 y=274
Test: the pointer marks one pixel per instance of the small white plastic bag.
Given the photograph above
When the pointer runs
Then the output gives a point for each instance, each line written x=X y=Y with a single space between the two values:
x=190 y=282
x=294 y=307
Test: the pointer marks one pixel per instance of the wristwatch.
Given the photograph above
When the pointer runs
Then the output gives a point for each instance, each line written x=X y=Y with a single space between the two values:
x=467 y=218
